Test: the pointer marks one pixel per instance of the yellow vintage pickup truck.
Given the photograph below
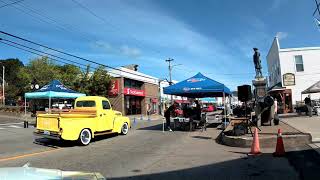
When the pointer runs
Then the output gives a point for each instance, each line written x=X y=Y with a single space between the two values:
x=91 y=116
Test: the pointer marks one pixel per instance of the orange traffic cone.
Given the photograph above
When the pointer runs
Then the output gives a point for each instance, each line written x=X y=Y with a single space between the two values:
x=279 y=147
x=255 y=147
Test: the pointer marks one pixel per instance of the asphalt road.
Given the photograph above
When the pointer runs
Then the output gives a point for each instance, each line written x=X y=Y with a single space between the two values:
x=145 y=153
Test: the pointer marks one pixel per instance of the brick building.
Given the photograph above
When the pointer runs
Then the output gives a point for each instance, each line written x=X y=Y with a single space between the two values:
x=133 y=92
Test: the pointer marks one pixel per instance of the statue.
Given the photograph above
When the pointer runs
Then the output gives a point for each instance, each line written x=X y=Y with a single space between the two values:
x=257 y=63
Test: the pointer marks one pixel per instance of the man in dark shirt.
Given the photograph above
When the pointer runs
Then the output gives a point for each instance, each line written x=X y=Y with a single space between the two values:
x=307 y=101
x=197 y=110
x=167 y=115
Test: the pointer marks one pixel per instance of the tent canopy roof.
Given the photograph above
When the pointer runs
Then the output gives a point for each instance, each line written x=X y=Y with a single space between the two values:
x=198 y=86
x=315 y=88
x=55 y=89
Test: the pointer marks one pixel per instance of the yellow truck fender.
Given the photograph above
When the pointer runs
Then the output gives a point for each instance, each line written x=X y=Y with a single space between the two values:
x=71 y=130
x=118 y=122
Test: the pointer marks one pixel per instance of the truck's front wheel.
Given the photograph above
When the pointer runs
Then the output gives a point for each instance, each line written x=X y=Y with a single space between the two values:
x=125 y=129
x=85 y=137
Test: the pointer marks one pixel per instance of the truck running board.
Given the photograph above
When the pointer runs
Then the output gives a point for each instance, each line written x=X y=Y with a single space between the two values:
x=103 y=132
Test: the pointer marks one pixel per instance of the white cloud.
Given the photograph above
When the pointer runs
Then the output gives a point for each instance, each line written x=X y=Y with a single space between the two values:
x=124 y=50
x=282 y=35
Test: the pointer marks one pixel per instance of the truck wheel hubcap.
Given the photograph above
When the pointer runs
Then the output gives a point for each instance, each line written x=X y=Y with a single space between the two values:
x=125 y=128
x=85 y=137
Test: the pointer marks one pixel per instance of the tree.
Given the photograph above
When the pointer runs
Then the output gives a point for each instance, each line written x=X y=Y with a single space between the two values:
x=94 y=83
x=99 y=82
x=12 y=86
x=69 y=74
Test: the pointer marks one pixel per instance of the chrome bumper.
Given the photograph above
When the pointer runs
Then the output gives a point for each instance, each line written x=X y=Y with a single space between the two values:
x=53 y=135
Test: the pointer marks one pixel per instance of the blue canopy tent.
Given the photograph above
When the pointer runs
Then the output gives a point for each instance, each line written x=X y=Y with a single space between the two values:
x=199 y=86
x=55 y=89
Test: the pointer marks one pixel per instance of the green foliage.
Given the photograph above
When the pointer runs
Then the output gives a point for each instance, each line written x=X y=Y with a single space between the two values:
x=12 y=86
x=95 y=84
x=99 y=82
x=44 y=70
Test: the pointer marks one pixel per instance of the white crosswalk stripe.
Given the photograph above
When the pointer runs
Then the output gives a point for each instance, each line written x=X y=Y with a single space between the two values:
x=14 y=126
x=11 y=126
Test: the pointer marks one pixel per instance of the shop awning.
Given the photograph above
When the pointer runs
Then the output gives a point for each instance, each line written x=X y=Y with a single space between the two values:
x=276 y=87
x=198 y=86
x=315 y=88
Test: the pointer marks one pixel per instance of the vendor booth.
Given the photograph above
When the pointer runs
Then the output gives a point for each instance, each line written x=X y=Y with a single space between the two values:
x=315 y=88
x=199 y=86
x=54 y=90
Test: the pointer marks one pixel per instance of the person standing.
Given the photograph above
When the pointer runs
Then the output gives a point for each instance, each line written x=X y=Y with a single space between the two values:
x=307 y=101
x=167 y=115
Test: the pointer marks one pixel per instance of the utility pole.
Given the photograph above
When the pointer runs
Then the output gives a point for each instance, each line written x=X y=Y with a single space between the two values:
x=170 y=77
x=3 y=98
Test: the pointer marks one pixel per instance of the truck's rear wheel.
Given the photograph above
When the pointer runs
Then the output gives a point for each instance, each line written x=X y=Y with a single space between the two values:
x=124 y=129
x=85 y=137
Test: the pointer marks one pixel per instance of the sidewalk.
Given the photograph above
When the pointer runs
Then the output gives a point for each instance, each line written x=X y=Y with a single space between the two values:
x=145 y=117
x=308 y=125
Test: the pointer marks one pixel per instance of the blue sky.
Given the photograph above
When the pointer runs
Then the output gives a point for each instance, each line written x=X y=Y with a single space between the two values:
x=209 y=36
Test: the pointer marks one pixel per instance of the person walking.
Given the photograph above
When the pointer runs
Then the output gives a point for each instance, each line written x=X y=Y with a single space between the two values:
x=167 y=115
x=307 y=101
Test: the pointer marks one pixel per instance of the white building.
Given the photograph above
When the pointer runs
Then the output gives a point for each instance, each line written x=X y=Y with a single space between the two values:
x=291 y=71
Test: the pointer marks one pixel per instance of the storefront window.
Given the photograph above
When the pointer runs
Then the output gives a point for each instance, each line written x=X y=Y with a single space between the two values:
x=129 y=83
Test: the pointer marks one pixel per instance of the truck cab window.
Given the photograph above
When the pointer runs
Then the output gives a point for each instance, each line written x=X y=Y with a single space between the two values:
x=105 y=105
x=86 y=104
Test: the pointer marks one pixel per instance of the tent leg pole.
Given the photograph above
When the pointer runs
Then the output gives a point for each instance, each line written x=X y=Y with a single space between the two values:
x=224 y=103
x=49 y=105
x=25 y=106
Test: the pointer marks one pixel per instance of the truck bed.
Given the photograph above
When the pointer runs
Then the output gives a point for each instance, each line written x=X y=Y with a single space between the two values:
x=78 y=113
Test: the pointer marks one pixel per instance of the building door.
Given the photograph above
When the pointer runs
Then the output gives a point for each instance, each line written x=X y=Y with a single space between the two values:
x=287 y=102
x=133 y=105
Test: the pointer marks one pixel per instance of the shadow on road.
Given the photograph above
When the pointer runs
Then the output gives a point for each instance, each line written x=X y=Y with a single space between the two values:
x=306 y=165
x=260 y=167
x=201 y=137
x=157 y=127
x=63 y=143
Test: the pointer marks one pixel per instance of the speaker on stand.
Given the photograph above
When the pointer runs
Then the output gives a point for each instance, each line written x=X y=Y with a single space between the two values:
x=245 y=95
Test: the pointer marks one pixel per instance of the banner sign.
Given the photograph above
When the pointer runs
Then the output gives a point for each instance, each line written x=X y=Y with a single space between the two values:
x=289 y=79
x=114 y=88
x=133 y=92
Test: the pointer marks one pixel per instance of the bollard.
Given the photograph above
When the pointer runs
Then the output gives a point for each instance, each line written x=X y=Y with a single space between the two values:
x=141 y=118
x=149 y=118
x=134 y=120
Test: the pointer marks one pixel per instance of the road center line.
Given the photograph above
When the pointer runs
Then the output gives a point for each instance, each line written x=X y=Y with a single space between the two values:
x=28 y=155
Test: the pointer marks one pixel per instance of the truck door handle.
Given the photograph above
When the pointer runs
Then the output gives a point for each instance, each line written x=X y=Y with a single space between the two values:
x=104 y=114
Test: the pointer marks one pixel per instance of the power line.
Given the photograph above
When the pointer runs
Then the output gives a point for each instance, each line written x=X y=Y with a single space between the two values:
x=8 y=44
x=68 y=54
x=109 y=24
x=9 y=4
x=65 y=27
x=41 y=51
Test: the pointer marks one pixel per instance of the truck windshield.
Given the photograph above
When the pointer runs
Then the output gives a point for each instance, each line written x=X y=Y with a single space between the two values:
x=86 y=104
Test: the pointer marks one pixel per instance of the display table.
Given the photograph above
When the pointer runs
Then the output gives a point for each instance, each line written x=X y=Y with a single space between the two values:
x=184 y=123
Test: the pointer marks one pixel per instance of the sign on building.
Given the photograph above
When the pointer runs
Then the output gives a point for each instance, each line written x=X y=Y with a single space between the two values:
x=114 y=88
x=289 y=79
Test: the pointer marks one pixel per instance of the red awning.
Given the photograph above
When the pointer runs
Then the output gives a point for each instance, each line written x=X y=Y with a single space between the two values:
x=182 y=101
